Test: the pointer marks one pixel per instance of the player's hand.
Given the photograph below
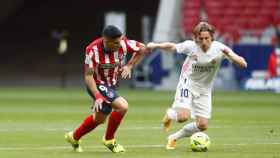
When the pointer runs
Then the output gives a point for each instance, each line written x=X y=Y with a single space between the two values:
x=99 y=99
x=126 y=72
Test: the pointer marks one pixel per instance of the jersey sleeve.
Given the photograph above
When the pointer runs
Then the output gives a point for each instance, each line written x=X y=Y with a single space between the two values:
x=88 y=58
x=222 y=47
x=132 y=46
x=184 y=47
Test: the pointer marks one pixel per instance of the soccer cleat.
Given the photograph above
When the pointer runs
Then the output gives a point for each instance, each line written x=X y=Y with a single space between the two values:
x=75 y=144
x=166 y=121
x=171 y=144
x=113 y=146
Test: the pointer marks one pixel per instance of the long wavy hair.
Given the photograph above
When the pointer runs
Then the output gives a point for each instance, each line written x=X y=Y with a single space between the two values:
x=201 y=27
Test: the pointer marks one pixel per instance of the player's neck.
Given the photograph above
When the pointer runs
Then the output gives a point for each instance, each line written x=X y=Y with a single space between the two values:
x=204 y=50
x=106 y=50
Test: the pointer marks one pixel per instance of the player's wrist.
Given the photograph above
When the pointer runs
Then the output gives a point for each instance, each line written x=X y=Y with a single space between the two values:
x=130 y=66
x=98 y=95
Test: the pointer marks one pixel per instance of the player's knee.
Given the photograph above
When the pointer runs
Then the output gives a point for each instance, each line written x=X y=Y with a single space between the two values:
x=203 y=125
x=120 y=105
x=100 y=122
x=182 y=116
x=100 y=119
x=123 y=108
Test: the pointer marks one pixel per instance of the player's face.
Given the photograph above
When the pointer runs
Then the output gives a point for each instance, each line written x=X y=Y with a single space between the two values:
x=112 y=44
x=204 y=40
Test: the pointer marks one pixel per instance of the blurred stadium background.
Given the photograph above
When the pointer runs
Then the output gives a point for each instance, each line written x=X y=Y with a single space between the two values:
x=33 y=31
x=42 y=90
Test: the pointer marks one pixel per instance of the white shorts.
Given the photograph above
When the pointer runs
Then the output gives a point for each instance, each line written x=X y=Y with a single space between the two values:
x=198 y=104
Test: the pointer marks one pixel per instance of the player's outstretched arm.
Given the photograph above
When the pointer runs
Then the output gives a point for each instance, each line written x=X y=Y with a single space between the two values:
x=167 y=46
x=135 y=59
x=236 y=59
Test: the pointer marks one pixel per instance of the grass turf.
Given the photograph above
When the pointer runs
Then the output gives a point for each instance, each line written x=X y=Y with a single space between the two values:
x=34 y=120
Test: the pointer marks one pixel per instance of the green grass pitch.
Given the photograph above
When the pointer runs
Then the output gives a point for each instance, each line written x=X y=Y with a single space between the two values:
x=34 y=120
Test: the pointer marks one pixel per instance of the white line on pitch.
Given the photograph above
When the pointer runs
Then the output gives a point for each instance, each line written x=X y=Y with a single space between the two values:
x=128 y=146
x=50 y=129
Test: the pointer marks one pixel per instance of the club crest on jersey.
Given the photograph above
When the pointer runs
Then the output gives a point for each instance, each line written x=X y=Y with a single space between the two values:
x=110 y=94
x=194 y=57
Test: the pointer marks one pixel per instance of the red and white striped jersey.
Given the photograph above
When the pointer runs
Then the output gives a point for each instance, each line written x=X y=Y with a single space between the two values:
x=106 y=65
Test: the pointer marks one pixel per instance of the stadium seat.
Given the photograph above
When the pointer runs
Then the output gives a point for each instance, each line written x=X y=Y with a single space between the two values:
x=233 y=17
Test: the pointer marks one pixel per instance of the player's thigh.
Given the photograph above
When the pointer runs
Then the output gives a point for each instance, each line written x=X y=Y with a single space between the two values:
x=120 y=104
x=182 y=102
x=109 y=93
x=201 y=110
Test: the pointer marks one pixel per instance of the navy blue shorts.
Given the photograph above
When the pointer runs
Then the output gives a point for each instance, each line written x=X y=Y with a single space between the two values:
x=109 y=93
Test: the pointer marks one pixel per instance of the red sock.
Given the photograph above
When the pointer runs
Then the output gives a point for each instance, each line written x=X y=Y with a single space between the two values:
x=113 y=124
x=88 y=125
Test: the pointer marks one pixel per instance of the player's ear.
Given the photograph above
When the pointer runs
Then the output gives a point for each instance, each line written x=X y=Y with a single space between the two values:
x=212 y=37
x=194 y=38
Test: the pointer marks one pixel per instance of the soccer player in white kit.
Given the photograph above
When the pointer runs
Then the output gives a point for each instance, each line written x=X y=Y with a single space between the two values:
x=193 y=96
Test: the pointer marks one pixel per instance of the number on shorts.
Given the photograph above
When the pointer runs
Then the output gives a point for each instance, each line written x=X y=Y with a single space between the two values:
x=103 y=88
x=184 y=92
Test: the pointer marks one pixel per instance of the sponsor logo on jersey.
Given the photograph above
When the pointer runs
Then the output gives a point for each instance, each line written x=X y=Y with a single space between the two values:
x=199 y=68
x=108 y=66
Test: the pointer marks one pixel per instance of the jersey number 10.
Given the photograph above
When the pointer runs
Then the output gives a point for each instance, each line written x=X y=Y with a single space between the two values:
x=184 y=93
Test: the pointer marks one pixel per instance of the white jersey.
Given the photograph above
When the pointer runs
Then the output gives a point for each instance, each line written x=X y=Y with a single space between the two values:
x=200 y=68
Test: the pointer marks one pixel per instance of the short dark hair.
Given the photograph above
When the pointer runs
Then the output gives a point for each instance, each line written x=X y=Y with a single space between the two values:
x=112 y=31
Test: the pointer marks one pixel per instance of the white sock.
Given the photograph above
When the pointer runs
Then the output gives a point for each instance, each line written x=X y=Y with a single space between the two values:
x=186 y=131
x=172 y=114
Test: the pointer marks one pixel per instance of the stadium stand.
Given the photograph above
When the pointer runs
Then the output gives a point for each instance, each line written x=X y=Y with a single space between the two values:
x=234 y=18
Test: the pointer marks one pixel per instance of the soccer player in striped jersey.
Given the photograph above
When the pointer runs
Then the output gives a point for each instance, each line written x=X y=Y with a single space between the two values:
x=194 y=90
x=105 y=60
